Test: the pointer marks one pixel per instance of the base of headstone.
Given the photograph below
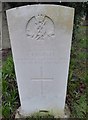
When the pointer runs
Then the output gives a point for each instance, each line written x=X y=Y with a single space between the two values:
x=65 y=114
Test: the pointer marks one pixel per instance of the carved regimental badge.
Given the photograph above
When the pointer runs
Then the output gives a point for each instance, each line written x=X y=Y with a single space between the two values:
x=40 y=27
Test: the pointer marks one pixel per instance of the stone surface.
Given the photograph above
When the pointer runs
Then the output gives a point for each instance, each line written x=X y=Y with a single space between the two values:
x=41 y=41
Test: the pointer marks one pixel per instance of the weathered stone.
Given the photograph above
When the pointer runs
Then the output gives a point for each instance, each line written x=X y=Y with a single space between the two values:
x=41 y=41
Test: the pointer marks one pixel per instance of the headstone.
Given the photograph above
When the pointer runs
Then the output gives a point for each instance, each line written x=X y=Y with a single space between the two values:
x=41 y=41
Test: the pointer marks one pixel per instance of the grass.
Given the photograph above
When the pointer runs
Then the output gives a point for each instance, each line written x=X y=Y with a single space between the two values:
x=76 y=94
x=10 y=98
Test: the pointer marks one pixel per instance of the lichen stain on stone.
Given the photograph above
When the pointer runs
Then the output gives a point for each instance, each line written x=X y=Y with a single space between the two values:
x=51 y=11
x=65 y=16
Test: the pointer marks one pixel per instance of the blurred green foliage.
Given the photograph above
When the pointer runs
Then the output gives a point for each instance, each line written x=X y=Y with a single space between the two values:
x=10 y=97
x=8 y=69
x=77 y=90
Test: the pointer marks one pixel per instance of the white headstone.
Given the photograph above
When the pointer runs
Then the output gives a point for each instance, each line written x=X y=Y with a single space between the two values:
x=41 y=41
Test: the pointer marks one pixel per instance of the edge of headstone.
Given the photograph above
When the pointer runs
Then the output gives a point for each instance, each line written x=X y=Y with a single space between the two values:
x=44 y=1
x=20 y=7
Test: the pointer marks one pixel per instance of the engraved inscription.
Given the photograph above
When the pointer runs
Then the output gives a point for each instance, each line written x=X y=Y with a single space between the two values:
x=42 y=79
x=40 y=27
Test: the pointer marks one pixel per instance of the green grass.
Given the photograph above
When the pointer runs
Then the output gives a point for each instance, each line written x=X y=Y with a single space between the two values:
x=76 y=94
x=79 y=107
x=10 y=98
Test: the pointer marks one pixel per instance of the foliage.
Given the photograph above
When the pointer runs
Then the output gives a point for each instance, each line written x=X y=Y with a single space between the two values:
x=10 y=97
x=80 y=12
x=8 y=69
x=76 y=97
x=79 y=107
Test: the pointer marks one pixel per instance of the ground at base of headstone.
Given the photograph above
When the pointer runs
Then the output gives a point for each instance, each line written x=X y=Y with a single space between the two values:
x=66 y=114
